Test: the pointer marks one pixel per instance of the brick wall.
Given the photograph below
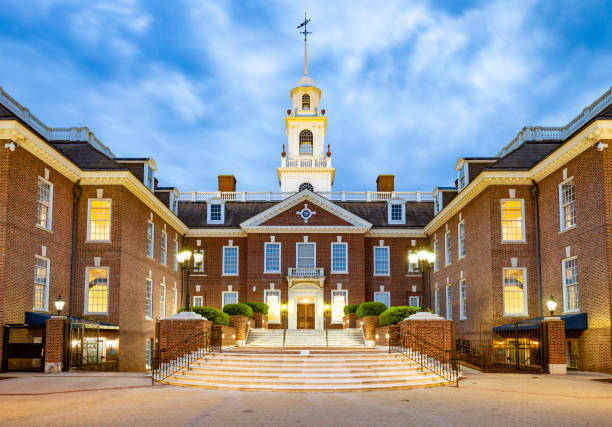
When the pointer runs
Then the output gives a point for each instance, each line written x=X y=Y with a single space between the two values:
x=436 y=332
x=174 y=332
x=227 y=334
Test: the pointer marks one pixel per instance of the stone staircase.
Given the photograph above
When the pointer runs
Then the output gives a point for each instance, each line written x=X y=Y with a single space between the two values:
x=306 y=338
x=307 y=371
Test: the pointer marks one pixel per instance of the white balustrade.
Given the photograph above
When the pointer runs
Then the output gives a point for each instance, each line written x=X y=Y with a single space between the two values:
x=305 y=272
x=336 y=196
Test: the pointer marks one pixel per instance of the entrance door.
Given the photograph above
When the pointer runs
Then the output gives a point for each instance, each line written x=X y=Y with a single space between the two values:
x=305 y=316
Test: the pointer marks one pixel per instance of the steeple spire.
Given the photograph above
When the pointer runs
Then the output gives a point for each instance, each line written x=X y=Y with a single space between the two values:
x=305 y=32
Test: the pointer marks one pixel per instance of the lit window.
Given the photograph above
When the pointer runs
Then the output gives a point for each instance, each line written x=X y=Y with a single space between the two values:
x=272 y=297
x=174 y=260
x=45 y=203
x=305 y=102
x=461 y=239
x=412 y=267
x=230 y=260
x=41 y=283
x=96 y=300
x=162 y=301
x=198 y=301
x=306 y=143
x=566 y=204
x=99 y=214
x=339 y=257
x=462 y=300
x=164 y=248
x=216 y=212
x=449 y=302
x=384 y=297
x=437 y=301
x=230 y=298
x=436 y=266
x=570 y=284
x=447 y=245
x=150 y=231
x=339 y=299
x=381 y=260
x=515 y=301
x=413 y=301
x=199 y=266
x=272 y=257
x=306 y=255
x=174 y=301
x=149 y=299
x=513 y=227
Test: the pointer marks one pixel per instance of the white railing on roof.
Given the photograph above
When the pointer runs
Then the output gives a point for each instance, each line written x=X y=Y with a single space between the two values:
x=305 y=272
x=336 y=196
x=306 y=162
x=52 y=134
x=540 y=133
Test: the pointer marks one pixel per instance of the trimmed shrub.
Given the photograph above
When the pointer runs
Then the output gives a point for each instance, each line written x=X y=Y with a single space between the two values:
x=370 y=309
x=394 y=315
x=217 y=317
x=351 y=308
x=258 y=307
x=240 y=309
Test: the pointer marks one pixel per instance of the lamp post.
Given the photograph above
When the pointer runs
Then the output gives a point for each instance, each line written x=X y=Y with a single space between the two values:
x=183 y=258
x=423 y=260
x=59 y=304
x=326 y=308
x=552 y=305
x=284 y=315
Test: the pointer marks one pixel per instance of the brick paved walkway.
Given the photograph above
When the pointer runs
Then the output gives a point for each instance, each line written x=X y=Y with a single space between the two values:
x=482 y=399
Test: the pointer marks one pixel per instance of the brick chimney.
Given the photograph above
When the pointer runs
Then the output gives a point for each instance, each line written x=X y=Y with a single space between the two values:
x=385 y=183
x=227 y=183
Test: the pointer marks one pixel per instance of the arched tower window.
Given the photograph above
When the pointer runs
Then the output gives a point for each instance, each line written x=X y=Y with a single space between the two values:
x=305 y=102
x=306 y=186
x=306 y=143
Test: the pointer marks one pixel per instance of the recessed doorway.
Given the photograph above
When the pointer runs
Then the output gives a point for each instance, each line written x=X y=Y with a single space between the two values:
x=306 y=315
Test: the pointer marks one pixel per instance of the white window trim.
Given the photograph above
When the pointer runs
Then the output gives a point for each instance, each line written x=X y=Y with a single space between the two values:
x=223 y=297
x=162 y=301
x=296 y=252
x=211 y=202
x=174 y=260
x=110 y=220
x=280 y=258
x=152 y=256
x=202 y=268
x=459 y=245
x=174 y=300
x=525 y=293
x=436 y=247
x=561 y=215
x=49 y=226
x=563 y=272
x=108 y=287
x=146 y=177
x=466 y=176
x=462 y=297
x=449 y=303
x=388 y=273
x=418 y=304
x=387 y=293
x=147 y=317
x=161 y=255
x=45 y=306
x=448 y=255
x=437 y=301
x=237 y=273
x=501 y=215
x=280 y=296
x=331 y=267
x=345 y=292
x=198 y=298
x=396 y=202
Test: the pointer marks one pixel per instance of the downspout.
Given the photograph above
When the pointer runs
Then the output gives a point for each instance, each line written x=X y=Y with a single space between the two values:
x=76 y=195
x=535 y=193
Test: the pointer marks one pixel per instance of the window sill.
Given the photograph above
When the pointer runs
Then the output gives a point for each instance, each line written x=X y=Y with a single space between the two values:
x=89 y=313
x=338 y=272
x=571 y=311
x=97 y=241
x=567 y=229
x=513 y=242
x=516 y=315
x=199 y=274
x=382 y=275
x=230 y=275
x=150 y=257
x=148 y=318
x=40 y=227
x=463 y=318
x=412 y=275
x=272 y=272
x=41 y=310
x=460 y=258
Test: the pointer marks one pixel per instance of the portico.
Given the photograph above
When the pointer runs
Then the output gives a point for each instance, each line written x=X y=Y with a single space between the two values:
x=304 y=293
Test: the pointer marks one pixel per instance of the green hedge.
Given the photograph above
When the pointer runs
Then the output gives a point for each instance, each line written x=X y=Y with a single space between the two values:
x=258 y=307
x=370 y=309
x=240 y=309
x=351 y=308
x=217 y=317
x=394 y=315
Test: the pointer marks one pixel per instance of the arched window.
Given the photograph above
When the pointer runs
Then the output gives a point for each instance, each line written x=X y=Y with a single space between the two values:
x=306 y=143
x=305 y=102
x=306 y=186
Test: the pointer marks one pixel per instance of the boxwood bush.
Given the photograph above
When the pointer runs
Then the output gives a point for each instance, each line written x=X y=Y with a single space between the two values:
x=394 y=315
x=217 y=317
x=370 y=309
x=350 y=308
x=240 y=309
x=258 y=307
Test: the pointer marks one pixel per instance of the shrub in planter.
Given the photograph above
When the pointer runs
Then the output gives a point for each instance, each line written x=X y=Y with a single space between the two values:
x=351 y=308
x=258 y=307
x=240 y=309
x=217 y=317
x=394 y=315
x=370 y=309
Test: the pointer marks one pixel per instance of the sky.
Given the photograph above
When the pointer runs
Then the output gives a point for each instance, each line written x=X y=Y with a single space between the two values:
x=203 y=86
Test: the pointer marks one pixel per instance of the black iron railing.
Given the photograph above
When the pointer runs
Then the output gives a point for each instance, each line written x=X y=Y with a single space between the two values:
x=169 y=361
x=429 y=356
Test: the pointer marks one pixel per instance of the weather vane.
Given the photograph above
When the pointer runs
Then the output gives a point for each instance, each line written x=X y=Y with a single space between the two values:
x=305 y=32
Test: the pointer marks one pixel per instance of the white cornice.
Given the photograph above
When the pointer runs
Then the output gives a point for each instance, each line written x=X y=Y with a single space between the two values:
x=216 y=232
x=318 y=229
x=416 y=233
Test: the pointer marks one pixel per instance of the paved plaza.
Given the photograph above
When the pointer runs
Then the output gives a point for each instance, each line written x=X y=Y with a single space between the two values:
x=482 y=399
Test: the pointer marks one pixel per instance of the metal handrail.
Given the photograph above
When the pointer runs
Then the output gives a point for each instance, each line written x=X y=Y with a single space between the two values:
x=167 y=363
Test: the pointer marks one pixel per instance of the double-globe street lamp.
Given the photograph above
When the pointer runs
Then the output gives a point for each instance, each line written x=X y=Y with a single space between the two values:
x=183 y=258
x=423 y=259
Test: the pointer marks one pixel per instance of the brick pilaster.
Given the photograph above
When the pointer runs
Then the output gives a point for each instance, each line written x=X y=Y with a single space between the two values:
x=369 y=325
x=349 y=321
x=54 y=345
x=555 y=357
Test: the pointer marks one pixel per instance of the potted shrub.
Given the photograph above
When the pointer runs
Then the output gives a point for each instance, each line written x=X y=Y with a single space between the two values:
x=239 y=319
x=388 y=321
x=348 y=321
x=368 y=312
x=260 y=311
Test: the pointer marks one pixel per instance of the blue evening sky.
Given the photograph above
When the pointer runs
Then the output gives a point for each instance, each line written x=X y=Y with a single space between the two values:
x=203 y=86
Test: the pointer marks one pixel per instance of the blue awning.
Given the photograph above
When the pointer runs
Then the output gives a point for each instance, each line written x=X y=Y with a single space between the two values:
x=573 y=322
x=33 y=318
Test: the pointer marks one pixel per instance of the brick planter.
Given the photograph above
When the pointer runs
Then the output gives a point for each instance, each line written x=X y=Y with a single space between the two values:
x=227 y=334
x=241 y=324
x=369 y=325
x=174 y=330
x=386 y=333
x=349 y=321
x=260 y=320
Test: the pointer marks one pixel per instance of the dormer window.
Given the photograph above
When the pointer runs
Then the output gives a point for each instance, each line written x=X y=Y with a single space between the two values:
x=397 y=212
x=305 y=102
x=173 y=203
x=306 y=143
x=464 y=178
x=149 y=179
x=216 y=212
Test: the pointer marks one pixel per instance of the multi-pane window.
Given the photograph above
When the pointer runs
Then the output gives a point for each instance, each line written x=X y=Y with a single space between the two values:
x=306 y=255
x=413 y=301
x=174 y=260
x=230 y=298
x=149 y=299
x=566 y=204
x=437 y=301
x=97 y=290
x=463 y=178
x=570 y=284
x=198 y=266
x=513 y=226
x=339 y=299
x=305 y=102
x=41 y=283
x=448 y=248
x=272 y=297
x=215 y=212
x=174 y=301
x=339 y=257
x=99 y=220
x=411 y=266
x=150 y=231
x=384 y=297
x=462 y=300
x=230 y=260
x=306 y=143
x=396 y=213
x=164 y=248
x=515 y=300
x=150 y=182
x=449 y=302
x=381 y=260
x=148 y=352
x=436 y=265
x=45 y=203
x=272 y=257
x=198 y=301
x=461 y=239
x=162 y=301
